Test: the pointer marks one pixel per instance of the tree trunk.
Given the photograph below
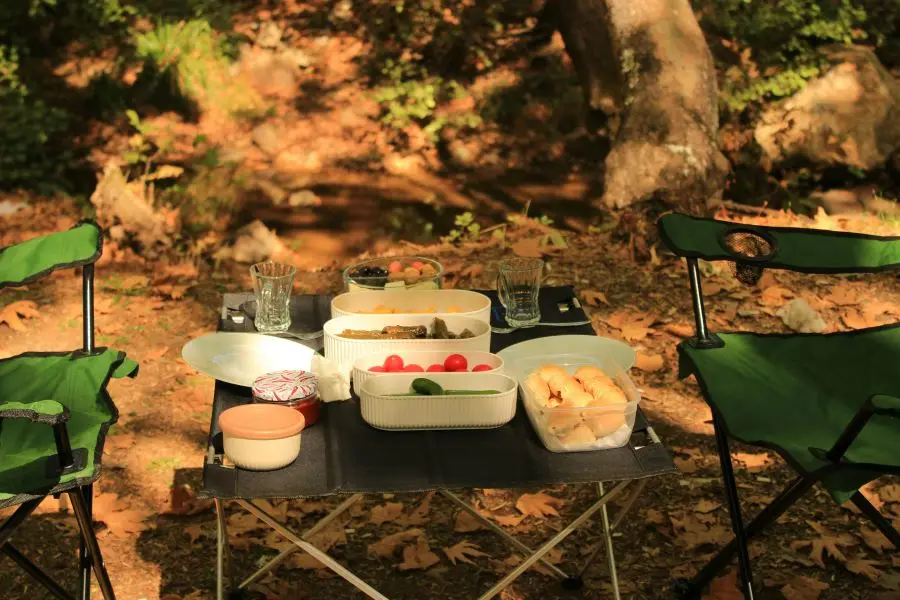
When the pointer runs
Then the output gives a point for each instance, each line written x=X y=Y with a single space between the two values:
x=651 y=58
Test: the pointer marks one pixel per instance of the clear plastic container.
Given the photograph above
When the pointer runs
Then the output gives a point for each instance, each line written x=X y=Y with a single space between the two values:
x=428 y=277
x=579 y=429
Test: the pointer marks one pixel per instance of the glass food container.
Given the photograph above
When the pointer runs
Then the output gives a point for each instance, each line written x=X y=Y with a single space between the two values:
x=292 y=388
x=394 y=273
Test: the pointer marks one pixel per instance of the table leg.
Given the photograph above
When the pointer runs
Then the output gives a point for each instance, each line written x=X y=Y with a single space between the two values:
x=555 y=541
x=284 y=554
x=221 y=548
x=323 y=558
x=500 y=531
x=607 y=537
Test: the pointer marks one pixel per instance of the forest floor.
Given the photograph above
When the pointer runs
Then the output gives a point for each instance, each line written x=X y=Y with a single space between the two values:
x=159 y=540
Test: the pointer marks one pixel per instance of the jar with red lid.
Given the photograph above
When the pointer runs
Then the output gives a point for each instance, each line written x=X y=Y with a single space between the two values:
x=293 y=388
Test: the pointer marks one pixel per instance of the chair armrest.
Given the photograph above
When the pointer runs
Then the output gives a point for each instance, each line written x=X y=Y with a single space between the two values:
x=37 y=257
x=48 y=412
x=879 y=404
x=796 y=249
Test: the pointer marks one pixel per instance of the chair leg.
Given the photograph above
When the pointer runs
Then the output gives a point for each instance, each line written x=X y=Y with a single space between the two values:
x=734 y=508
x=874 y=515
x=766 y=517
x=83 y=516
x=84 y=556
x=17 y=518
x=35 y=572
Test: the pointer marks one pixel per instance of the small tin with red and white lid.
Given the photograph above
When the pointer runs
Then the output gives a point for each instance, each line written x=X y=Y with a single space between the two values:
x=296 y=389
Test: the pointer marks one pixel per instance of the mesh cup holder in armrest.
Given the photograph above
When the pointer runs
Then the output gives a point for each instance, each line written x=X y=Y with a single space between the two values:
x=748 y=246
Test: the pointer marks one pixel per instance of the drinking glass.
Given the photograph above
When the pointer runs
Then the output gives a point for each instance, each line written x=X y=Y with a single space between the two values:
x=272 y=284
x=518 y=285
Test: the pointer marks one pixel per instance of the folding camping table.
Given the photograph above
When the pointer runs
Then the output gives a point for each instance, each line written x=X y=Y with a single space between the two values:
x=341 y=454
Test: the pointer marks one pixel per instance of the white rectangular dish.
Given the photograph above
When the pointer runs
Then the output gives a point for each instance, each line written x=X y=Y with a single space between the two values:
x=614 y=422
x=424 y=358
x=463 y=303
x=383 y=411
x=343 y=352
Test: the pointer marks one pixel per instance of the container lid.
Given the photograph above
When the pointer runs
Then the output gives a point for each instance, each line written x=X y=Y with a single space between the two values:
x=285 y=386
x=261 y=421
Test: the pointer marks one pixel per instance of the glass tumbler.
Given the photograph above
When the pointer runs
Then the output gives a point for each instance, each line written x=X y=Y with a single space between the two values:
x=518 y=286
x=272 y=285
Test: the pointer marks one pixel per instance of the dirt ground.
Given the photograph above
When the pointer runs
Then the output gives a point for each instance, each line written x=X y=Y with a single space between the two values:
x=159 y=540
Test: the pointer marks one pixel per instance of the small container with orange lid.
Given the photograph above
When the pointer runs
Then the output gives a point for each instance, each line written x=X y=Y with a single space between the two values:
x=295 y=389
x=261 y=437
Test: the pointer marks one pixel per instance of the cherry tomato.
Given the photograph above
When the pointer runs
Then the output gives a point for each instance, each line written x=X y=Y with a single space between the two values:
x=456 y=362
x=417 y=265
x=376 y=369
x=481 y=367
x=393 y=363
x=436 y=369
x=413 y=369
x=395 y=267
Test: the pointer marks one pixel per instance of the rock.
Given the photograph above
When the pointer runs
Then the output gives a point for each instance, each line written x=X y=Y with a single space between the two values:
x=269 y=35
x=256 y=243
x=272 y=191
x=800 y=316
x=850 y=115
x=267 y=137
x=304 y=198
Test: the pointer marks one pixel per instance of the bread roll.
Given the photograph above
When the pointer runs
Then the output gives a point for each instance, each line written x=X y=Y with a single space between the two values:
x=562 y=422
x=564 y=385
x=580 y=435
x=538 y=388
x=586 y=373
x=606 y=422
x=548 y=372
x=577 y=399
x=604 y=390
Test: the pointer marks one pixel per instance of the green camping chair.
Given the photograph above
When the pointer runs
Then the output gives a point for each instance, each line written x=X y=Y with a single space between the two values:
x=829 y=404
x=55 y=410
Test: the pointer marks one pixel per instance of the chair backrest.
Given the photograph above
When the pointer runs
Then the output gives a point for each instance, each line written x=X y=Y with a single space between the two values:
x=753 y=248
x=80 y=246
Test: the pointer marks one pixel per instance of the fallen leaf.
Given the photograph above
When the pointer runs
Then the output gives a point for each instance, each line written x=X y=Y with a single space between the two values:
x=472 y=271
x=803 y=588
x=634 y=327
x=649 y=362
x=302 y=560
x=679 y=330
x=538 y=505
x=156 y=354
x=386 y=512
x=890 y=493
x=594 y=298
x=854 y=320
x=691 y=532
x=120 y=519
x=753 y=462
x=686 y=465
x=775 y=296
x=12 y=311
x=183 y=501
x=509 y=520
x=554 y=557
x=706 y=506
x=843 y=294
x=462 y=551
x=654 y=517
x=194 y=532
x=418 y=556
x=528 y=248
x=868 y=568
x=419 y=516
x=825 y=545
x=466 y=523
x=170 y=290
x=875 y=540
x=724 y=588
x=386 y=546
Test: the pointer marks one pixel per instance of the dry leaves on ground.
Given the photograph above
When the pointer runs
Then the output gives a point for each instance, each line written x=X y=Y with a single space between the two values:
x=594 y=298
x=649 y=363
x=868 y=568
x=119 y=517
x=634 y=326
x=467 y=523
x=462 y=552
x=691 y=532
x=386 y=513
x=753 y=462
x=825 y=545
x=538 y=505
x=875 y=540
x=13 y=313
x=803 y=588
x=843 y=294
x=184 y=501
x=418 y=556
x=386 y=546
x=724 y=588
x=775 y=296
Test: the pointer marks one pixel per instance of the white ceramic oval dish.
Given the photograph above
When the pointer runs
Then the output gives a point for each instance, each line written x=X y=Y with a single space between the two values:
x=343 y=352
x=542 y=417
x=383 y=411
x=261 y=437
x=239 y=358
x=463 y=303
x=424 y=358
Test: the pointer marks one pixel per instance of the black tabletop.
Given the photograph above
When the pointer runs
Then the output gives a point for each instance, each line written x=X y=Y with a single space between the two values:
x=342 y=454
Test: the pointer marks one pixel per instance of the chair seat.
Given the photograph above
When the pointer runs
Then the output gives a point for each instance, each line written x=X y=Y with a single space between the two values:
x=795 y=392
x=78 y=383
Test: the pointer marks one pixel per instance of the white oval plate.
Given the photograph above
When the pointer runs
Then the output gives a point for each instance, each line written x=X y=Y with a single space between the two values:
x=618 y=352
x=239 y=358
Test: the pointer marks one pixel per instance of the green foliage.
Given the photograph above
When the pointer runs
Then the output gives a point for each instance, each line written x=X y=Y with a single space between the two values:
x=778 y=41
x=466 y=228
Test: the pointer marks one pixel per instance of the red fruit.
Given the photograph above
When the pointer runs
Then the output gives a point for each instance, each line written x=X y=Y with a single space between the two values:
x=413 y=369
x=393 y=363
x=417 y=265
x=481 y=367
x=395 y=267
x=456 y=362
x=436 y=369
x=376 y=369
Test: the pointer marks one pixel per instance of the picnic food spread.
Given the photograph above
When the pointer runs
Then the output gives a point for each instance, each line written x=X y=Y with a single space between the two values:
x=439 y=331
x=394 y=273
x=428 y=387
x=454 y=363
